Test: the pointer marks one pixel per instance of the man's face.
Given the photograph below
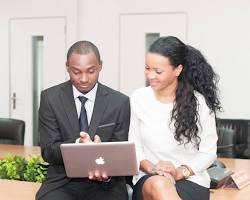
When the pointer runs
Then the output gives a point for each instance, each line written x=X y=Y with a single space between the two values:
x=84 y=71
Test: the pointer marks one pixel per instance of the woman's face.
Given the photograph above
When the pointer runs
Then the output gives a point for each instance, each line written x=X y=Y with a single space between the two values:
x=160 y=73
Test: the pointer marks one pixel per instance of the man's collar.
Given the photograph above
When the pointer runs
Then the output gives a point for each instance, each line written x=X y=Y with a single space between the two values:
x=91 y=95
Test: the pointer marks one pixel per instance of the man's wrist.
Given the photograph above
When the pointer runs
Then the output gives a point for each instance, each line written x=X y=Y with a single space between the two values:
x=107 y=180
x=77 y=140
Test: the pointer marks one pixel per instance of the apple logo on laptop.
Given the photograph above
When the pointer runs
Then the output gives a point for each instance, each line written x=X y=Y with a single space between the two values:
x=100 y=161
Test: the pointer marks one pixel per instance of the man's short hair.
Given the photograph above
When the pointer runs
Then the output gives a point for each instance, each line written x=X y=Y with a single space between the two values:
x=83 y=47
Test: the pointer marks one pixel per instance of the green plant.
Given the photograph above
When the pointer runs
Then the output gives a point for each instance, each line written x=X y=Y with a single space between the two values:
x=16 y=167
x=36 y=169
x=12 y=167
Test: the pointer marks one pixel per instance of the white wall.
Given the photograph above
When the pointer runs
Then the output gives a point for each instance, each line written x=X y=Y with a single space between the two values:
x=220 y=29
x=26 y=9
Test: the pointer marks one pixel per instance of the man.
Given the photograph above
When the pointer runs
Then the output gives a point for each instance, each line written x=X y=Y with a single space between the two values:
x=63 y=116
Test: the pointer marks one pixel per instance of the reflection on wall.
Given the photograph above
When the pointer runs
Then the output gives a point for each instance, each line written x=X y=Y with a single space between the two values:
x=149 y=39
x=37 y=60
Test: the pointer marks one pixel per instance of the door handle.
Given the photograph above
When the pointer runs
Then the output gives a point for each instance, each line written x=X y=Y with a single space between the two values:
x=13 y=98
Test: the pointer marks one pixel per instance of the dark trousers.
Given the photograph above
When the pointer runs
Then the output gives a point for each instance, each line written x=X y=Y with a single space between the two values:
x=80 y=189
x=187 y=190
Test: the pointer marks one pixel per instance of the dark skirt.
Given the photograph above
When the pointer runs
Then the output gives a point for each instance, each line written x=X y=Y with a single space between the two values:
x=187 y=190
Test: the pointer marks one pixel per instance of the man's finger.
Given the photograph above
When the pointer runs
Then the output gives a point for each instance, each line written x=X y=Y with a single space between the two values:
x=97 y=139
x=83 y=134
x=90 y=175
x=104 y=176
x=84 y=137
x=97 y=176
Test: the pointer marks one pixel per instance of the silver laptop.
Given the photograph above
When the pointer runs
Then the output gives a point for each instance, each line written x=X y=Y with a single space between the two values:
x=112 y=158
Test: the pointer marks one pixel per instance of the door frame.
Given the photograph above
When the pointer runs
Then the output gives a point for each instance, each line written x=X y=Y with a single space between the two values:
x=140 y=14
x=10 y=20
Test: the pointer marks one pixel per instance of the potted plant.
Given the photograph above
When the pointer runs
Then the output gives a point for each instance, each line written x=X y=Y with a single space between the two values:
x=15 y=167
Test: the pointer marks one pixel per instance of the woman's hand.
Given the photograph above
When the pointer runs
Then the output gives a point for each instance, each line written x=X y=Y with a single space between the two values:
x=162 y=168
x=165 y=167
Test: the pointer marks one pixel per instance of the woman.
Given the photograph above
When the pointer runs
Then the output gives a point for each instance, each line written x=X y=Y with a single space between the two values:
x=173 y=123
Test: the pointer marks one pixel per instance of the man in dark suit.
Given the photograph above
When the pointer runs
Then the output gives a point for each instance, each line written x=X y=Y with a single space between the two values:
x=107 y=113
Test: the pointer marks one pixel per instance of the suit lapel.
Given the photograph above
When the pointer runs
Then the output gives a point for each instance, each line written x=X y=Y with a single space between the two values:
x=99 y=108
x=69 y=106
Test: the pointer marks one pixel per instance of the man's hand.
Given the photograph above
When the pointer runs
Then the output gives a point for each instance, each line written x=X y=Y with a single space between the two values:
x=85 y=138
x=97 y=139
x=96 y=175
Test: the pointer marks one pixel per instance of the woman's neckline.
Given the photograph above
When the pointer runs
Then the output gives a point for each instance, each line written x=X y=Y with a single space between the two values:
x=170 y=102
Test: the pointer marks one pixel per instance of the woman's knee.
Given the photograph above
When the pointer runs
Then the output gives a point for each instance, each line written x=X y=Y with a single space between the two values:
x=156 y=184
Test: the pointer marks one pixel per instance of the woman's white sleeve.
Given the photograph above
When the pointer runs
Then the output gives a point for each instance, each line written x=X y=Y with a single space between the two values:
x=135 y=134
x=208 y=145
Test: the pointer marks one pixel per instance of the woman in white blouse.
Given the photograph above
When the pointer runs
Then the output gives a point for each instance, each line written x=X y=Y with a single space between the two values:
x=173 y=123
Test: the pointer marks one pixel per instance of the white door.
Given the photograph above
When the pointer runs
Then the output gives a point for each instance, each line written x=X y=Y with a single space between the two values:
x=137 y=32
x=37 y=61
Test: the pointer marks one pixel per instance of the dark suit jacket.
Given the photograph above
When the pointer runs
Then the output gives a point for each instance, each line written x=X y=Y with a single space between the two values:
x=59 y=124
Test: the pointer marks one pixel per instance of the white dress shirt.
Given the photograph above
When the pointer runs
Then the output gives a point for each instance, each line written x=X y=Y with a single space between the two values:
x=154 y=137
x=89 y=105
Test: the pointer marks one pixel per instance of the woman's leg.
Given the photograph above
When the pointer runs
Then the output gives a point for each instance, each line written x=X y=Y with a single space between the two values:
x=186 y=190
x=159 y=188
x=151 y=187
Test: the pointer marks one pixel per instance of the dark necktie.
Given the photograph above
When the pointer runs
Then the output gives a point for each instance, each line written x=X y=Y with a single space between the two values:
x=83 y=119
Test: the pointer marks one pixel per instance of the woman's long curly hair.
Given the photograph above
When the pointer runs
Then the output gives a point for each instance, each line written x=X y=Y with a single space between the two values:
x=197 y=75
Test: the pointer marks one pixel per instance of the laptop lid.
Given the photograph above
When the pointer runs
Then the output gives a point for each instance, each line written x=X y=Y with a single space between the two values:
x=112 y=158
